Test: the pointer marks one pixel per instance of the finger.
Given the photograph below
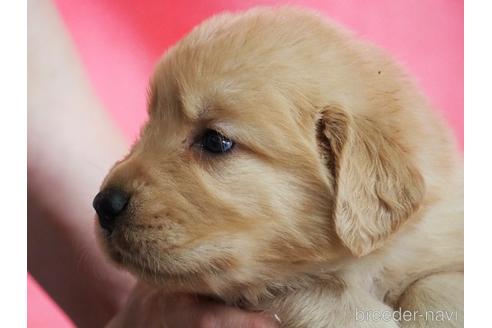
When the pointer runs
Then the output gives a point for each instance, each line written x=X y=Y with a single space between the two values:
x=176 y=310
x=181 y=310
x=221 y=316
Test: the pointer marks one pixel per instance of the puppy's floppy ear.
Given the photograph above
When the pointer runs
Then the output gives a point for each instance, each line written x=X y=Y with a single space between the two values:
x=377 y=187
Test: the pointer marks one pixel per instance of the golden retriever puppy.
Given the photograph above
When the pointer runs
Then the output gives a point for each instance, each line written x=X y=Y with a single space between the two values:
x=290 y=168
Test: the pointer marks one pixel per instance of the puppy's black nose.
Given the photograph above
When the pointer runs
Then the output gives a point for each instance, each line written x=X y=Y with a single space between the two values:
x=108 y=204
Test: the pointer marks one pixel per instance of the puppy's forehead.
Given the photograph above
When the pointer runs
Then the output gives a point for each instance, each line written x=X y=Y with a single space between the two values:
x=178 y=93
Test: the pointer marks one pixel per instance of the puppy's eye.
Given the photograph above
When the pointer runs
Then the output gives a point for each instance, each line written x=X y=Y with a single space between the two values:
x=214 y=142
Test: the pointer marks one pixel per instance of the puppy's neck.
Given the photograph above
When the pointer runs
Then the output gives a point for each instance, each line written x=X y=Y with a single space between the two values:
x=268 y=296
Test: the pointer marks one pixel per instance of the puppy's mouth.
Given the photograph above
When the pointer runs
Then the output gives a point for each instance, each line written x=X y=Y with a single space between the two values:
x=142 y=240
x=128 y=248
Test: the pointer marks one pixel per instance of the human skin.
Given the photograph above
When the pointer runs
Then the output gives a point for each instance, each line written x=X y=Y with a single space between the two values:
x=71 y=142
x=147 y=304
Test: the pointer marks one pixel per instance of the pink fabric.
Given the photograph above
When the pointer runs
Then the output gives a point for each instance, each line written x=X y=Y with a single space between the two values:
x=120 y=41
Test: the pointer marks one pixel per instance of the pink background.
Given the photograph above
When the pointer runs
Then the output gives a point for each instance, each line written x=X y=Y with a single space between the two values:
x=119 y=41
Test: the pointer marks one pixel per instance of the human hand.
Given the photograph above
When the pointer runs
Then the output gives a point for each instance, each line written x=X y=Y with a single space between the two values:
x=149 y=307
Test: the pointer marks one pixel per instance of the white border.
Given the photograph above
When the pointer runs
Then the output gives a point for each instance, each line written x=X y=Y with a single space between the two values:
x=478 y=162
x=13 y=141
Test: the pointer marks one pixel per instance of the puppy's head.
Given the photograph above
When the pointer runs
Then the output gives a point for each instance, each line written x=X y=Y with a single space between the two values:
x=258 y=160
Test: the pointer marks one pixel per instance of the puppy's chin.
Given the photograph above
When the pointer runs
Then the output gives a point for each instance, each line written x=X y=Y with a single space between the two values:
x=170 y=280
x=163 y=268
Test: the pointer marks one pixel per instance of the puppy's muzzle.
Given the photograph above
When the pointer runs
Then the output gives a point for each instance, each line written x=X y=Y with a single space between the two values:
x=110 y=204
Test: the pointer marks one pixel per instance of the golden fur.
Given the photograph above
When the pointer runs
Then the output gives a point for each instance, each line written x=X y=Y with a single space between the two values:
x=343 y=192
